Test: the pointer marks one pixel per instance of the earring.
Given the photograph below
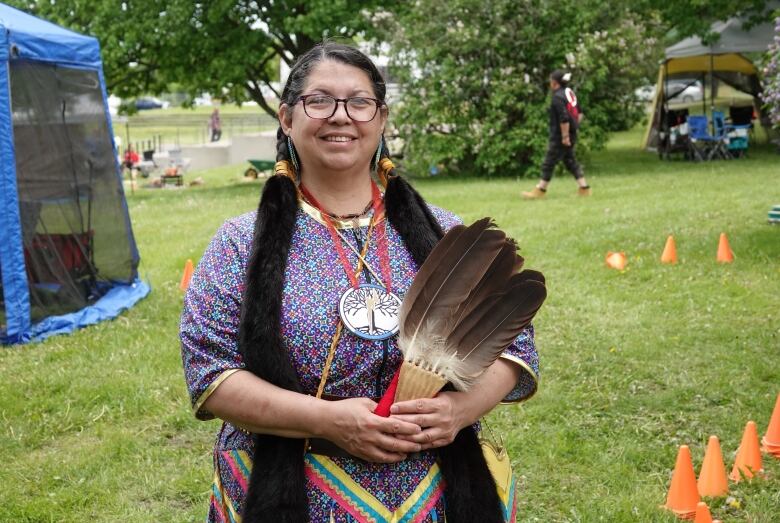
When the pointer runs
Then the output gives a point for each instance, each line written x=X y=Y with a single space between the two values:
x=378 y=155
x=293 y=156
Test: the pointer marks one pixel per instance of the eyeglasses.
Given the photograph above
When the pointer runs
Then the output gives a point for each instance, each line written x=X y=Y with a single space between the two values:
x=322 y=107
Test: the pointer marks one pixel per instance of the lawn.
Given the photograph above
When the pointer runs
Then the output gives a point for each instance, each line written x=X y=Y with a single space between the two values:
x=97 y=426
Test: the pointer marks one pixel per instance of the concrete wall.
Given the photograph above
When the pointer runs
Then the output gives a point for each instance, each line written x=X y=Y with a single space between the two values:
x=259 y=146
x=239 y=149
x=206 y=156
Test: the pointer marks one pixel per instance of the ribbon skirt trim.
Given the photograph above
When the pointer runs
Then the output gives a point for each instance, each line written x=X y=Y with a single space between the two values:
x=325 y=475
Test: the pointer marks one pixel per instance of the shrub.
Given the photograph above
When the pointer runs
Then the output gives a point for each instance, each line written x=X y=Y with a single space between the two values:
x=474 y=78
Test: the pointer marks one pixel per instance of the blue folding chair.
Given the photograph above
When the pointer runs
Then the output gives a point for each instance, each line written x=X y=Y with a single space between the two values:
x=721 y=131
x=704 y=146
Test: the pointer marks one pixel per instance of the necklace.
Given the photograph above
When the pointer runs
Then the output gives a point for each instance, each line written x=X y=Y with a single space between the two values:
x=344 y=217
x=368 y=310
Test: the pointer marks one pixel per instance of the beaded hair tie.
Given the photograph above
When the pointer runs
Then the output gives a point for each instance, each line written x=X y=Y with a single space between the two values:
x=283 y=168
x=383 y=170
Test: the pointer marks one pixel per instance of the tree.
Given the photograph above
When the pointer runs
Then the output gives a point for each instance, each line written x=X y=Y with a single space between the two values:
x=475 y=77
x=771 y=94
x=229 y=48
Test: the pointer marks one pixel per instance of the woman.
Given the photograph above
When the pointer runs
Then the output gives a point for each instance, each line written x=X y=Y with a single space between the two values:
x=565 y=117
x=264 y=348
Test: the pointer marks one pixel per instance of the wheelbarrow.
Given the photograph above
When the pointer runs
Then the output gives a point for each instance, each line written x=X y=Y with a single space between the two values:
x=259 y=166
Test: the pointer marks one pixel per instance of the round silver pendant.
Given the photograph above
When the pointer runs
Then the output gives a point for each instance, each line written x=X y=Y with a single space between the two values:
x=370 y=312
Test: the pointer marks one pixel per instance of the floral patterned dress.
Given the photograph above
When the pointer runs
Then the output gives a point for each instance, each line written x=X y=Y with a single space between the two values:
x=339 y=489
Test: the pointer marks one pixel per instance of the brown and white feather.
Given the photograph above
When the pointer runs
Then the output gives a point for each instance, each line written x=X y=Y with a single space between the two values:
x=467 y=304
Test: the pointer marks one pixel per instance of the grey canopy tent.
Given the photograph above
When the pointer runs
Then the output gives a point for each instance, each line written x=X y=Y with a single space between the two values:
x=722 y=61
x=734 y=37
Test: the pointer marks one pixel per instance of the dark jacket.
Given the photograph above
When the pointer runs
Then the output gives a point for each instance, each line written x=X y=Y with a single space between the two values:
x=564 y=108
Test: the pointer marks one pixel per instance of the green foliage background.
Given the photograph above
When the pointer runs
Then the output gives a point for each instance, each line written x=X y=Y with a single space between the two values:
x=231 y=49
x=475 y=78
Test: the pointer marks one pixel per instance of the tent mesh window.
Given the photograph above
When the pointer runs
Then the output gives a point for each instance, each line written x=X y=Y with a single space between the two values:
x=77 y=240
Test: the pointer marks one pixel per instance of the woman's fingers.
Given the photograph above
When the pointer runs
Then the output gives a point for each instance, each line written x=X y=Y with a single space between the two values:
x=436 y=416
x=374 y=438
x=420 y=406
x=426 y=437
x=395 y=425
x=436 y=444
x=421 y=420
x=397 y=445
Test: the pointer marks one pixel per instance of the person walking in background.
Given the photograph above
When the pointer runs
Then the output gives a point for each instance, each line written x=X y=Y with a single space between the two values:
x=565 y=118
x=216 y=126
x=131 y=158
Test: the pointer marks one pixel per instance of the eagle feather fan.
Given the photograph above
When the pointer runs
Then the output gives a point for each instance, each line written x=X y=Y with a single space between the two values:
x=467 y=303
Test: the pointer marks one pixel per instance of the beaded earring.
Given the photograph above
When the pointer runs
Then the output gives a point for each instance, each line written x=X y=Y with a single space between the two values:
x=293 y=156
x=378 y=154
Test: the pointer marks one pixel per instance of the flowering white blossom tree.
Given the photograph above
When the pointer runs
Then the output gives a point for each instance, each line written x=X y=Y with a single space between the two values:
x=771 y=94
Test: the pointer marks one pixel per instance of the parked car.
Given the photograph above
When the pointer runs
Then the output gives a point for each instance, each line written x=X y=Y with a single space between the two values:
x=150 y=103
x=646 y=93
x=685 y=90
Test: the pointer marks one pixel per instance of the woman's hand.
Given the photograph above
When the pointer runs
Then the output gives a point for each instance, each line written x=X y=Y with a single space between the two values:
x=441 y=418
x=354 y=427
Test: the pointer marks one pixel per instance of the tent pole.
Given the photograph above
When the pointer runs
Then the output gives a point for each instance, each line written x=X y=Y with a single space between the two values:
x=704 y=94
x=666 y=84
x=712 y=91
x=663 y=124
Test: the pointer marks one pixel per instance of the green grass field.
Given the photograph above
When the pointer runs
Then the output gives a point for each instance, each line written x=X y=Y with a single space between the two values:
x=97 y=426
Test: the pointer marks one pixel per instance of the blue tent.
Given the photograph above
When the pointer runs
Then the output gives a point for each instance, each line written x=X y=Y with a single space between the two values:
x=68 y=257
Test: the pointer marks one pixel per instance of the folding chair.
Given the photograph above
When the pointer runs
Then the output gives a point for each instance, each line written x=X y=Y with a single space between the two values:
x=742 y=118
x=721 y=132
x=704 y=146
x=737 y=134
x=147 y=166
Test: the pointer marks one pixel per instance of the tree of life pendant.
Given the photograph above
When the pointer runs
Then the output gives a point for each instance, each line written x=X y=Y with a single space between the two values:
x=370 y=312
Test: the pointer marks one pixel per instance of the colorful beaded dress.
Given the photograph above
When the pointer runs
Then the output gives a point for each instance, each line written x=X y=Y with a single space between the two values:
x=339 y=489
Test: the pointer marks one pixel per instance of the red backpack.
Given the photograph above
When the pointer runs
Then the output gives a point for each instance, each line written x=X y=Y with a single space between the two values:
x=571 y=104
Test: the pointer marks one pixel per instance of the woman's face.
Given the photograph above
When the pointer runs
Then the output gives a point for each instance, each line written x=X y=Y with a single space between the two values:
x=338 y=143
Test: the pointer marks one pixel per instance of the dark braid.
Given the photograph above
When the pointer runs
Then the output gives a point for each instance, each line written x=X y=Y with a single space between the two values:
x=265 y=354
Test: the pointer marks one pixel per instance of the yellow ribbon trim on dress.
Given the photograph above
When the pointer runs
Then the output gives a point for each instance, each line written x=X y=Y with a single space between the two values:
x=367 y=498
x=223 y=499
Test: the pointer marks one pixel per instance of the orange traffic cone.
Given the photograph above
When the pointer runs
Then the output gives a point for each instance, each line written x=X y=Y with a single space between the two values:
x=670 y=251
x=186 y=276
x=725 y=254
x=702 y=513
x=683 y=494
x=771 y=440
x=748 y=462
x=712 y=476
x=616 y=260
